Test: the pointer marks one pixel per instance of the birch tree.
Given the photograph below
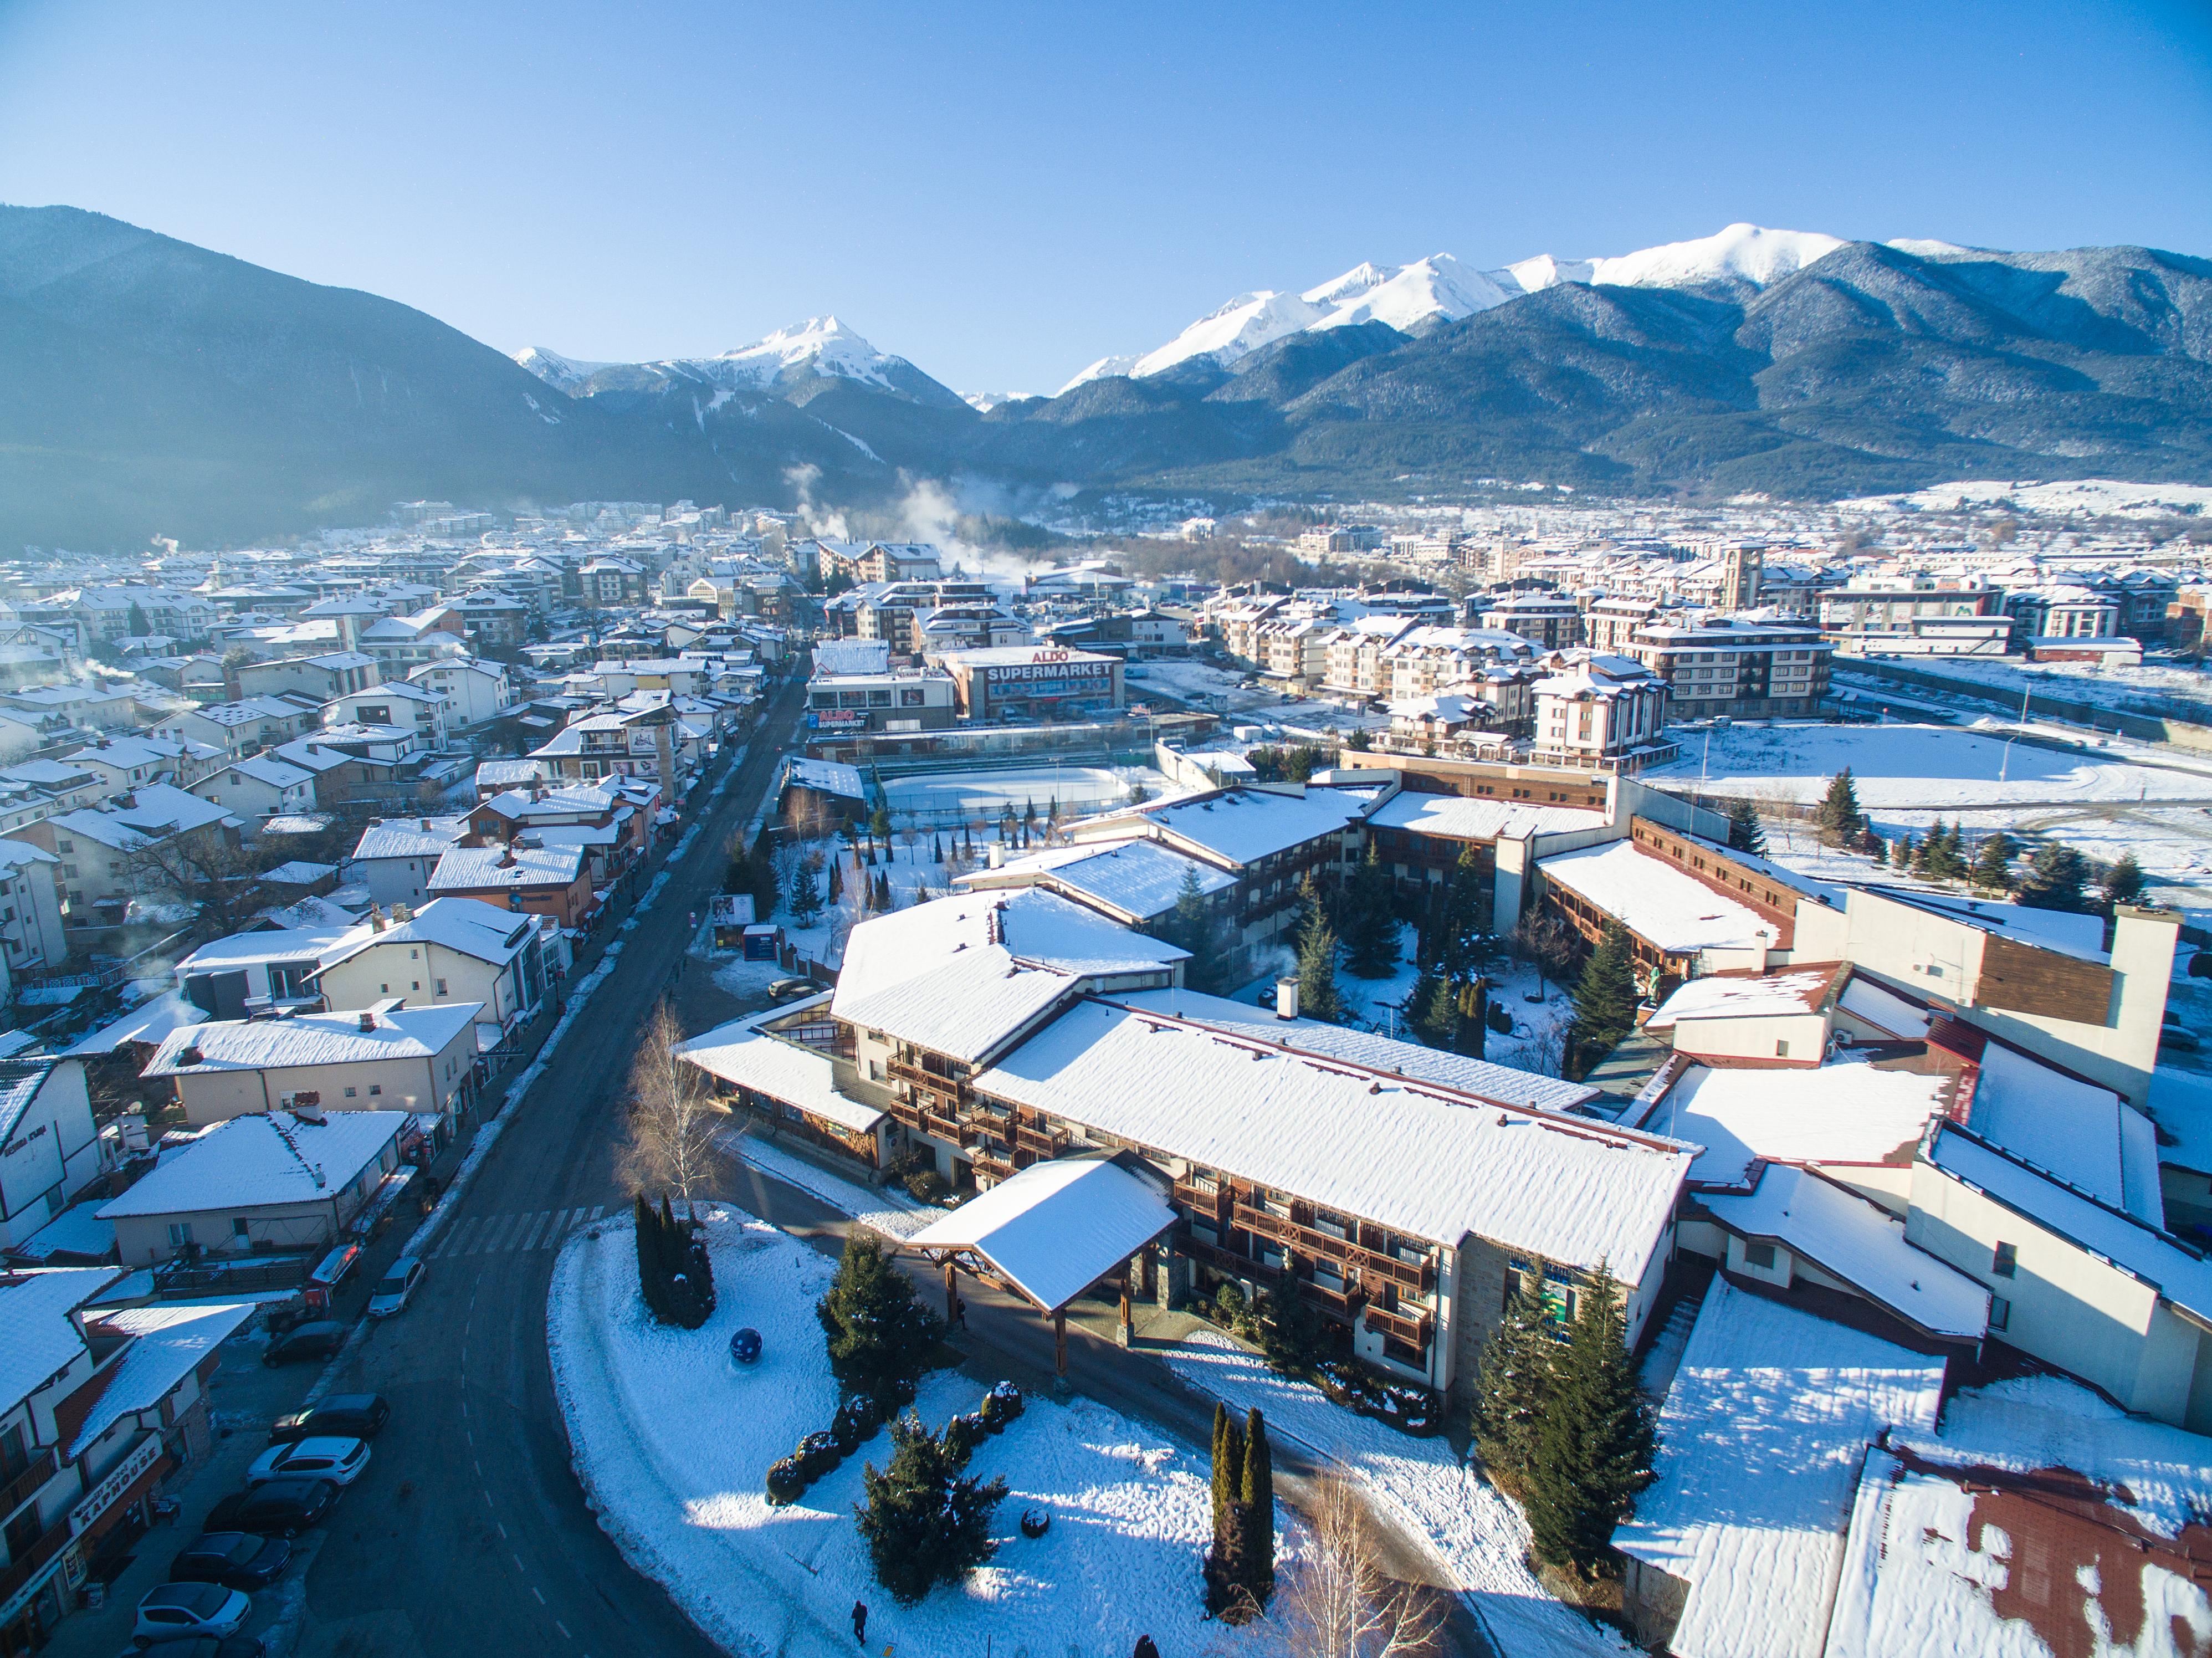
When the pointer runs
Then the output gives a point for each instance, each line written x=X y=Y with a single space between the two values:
x=669 y=1143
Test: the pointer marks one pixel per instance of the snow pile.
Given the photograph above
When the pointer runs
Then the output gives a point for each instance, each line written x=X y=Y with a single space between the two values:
x=1131 y=1512
x=1476 y=1532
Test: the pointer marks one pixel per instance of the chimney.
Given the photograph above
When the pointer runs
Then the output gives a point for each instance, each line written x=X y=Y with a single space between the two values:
x=507 y=856
x=367 y=1020
x=376 y=917
x=1286 y=999
x=425 y=824
x=998 y=854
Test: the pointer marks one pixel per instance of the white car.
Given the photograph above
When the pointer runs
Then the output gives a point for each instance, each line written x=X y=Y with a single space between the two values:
x=338 y=1461
x=181 y=1609
x=396 y=1287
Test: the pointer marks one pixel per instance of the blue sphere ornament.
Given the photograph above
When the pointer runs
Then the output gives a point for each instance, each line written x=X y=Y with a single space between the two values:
x=745 y=1346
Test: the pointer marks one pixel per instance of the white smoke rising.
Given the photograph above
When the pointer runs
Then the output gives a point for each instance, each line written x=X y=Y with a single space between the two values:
x=820 y=520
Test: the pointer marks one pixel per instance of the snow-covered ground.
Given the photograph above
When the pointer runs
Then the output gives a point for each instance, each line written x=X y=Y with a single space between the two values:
x=673 y=1440
x=947 y=798
x=2146 y=688
x=912 y=869
x=1476 y=1531
x=885 y=1209
x=1933 y=767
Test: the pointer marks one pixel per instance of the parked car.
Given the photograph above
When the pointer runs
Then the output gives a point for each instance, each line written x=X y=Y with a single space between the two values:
x=396 y=1287
x=190 y=1609
x=282 y=1508
x=200 y=1646
x=236 y=1559
x=342 y=1416
x=318 y=1339
x=790 y=990
x=338 y=1461
x=2175 y=1036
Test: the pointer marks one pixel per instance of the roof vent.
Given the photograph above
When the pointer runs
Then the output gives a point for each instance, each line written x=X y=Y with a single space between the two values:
x=367 y=1020
x=190 y=1056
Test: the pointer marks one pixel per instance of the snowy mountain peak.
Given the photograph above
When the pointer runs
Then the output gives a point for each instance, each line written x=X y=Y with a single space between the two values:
x=819 y=345
x=562 y=373
x=1440 y=289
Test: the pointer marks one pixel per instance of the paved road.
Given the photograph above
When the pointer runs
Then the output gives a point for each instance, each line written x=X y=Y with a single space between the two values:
x=469 y=1534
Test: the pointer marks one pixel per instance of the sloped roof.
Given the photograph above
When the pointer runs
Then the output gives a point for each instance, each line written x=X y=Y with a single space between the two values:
x=1055 y=1228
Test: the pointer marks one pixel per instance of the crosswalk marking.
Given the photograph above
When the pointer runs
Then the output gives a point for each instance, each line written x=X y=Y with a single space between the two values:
x=515 y=1233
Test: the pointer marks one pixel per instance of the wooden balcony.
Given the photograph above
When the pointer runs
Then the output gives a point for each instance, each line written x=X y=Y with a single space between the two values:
x=25 y=1485
x=904 y=1112
x=1204 y=1205
x=1413 y=1332
x=1327 y=1246
x=1039 y=1144
x=991 y=1161
x=1225 y=1260
x=27 y=1560
x=947 y=1088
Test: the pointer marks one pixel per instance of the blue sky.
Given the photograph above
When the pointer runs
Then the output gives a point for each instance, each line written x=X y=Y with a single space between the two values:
x=1003 y=193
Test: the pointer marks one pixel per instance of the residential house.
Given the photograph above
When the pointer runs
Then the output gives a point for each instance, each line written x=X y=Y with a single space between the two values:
x=395 y=856
x=450 y=951
x=474 y=691
x=380 y=1057
x=540 y=880
x=401 y=702
x=323 y=677
x=49 y=1150
x=31 y=936
x=260 y=787
x=96 y=848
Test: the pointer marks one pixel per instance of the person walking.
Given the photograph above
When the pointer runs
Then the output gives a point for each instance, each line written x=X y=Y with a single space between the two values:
x=860 y=1622
x=959 y=1311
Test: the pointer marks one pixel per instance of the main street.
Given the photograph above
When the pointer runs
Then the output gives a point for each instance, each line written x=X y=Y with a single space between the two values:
x=469 y=1534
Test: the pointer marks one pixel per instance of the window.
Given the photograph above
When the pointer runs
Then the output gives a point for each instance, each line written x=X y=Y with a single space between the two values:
x=2000 y=1312
x=64 y=846
x=386 y=988
x=181 y=1232
x=350 y=1092
x=239 y=1227
x=441 y=986
x=1781 y=1047
x=1759 y=1256
x=2006 y=1262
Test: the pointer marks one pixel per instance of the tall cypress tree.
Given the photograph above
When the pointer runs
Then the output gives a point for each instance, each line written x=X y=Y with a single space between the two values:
x=1514 y=1384
x=1596 y=1442
x=1228 y=1469
x=1223 y=1570
x=1257 y=1504
x=652 y=1270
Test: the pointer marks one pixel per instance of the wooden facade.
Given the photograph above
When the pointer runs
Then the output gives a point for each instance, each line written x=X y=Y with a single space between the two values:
x=2023 y=978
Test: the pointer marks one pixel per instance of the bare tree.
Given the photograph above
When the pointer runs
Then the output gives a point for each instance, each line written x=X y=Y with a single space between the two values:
x=203 y=868
x=669 y=1144
x=1338 y=1602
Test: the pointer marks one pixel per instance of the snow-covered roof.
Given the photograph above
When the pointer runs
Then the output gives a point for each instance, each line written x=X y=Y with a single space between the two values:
x=2085 y=1135
x=259 y=1161
x=1746 y=996
x=1243 y=825
x=2174 y=1269
x=1415 y=1157
x=1137 y=878
x=740 y=1052
x=1842 y=1112
x=1855 y=1240
x=38 y=1338
x=1470 y=817
x=468 y=869
x=469 y=926
x=826 y=777
x=263 y=768
x=1760 y=1441
x=1884 y=1009
x=77 y=1231
x=407 y=837
x=1497 y=1083
x=148 y=1022
x=241 y=950
x=167 y=1344
x=1658 y=902
x=310 y=1039
x=1055 y=1228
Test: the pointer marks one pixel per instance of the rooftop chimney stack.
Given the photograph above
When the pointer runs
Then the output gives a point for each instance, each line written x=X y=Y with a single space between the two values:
x=1286 y=999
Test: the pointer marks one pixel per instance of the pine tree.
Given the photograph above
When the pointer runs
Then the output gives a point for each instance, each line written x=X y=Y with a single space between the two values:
x=1605 y=997
x=1188 y=924
x=2056 y=879
x=1228 y=1470
x=1949 y=861
x=2123 y=882
x=1461 y=926
x=837 y=886
x=1879 y=852
x=1993 y=863
x=1361 y=741
x=1369 y=920
x=136 y=621
x=1257 y=1504
x=1745 y=831
x=881 y=1338
x=1514 y=1384
x=1596 y=1442
x=926 y=1522
x=1906 y=854
x=880 y=821
x=652 y=1270
x=1437 y=1016
x=1839 y=817
x=1317 y=950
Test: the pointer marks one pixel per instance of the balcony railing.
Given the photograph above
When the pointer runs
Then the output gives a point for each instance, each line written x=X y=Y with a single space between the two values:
x=27 y=1561
x=1327 y=1246
x=1039 y=1144
x=1413 y=1332
x=950 y=1088
x=25 y=1485
x=1213 y=1204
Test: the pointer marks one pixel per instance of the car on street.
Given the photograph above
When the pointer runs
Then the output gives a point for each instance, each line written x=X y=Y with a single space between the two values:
x=790 y=990
x=342 y=1416
x=396 y=1287
x=189 y=1609
x=317 y=1339
x=235 y=1559
x=281 y=1508
x=338 y=1461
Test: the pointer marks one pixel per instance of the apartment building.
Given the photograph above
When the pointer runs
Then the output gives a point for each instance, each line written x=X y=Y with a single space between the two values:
x=1740 y=667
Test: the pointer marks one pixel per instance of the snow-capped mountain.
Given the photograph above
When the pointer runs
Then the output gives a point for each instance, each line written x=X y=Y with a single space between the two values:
x=819 y=348
x=1440 y=289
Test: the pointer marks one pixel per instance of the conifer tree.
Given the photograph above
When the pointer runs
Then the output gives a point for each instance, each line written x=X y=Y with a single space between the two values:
x=837 y=886
x=1228 y=1470
x=926 y=1522
x=1317 y=949
x=1839 y=817
x=2123 y=882
x=1513 y=1385
x=1606 y=996
x=2056 y=879
x=1993 y=862
x=880 y=1336
x=1257 y=1505
x=1462 y=925
x=1879 y=852
x=1596 y=1441
x=1369 y=920
x=652 y=1270
x=1745 y=831
x=1437 y=1016
x=1906 y=854
x=1363 y=741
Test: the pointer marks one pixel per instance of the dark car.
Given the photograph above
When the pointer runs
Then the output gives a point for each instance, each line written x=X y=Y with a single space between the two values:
x=319 y=1339
x=200 y=1646
x=237 y=1559
x=284 y=1507
x=342 y=1416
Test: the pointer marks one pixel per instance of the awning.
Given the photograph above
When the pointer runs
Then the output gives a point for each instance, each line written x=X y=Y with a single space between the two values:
x=1056 y=1228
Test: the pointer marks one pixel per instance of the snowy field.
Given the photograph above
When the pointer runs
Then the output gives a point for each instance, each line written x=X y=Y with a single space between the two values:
x=2146 y=689
x=1932 y=767
x=2096 y=497
x=946 y=798
x=1478 y=1533
x=671 y=1441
